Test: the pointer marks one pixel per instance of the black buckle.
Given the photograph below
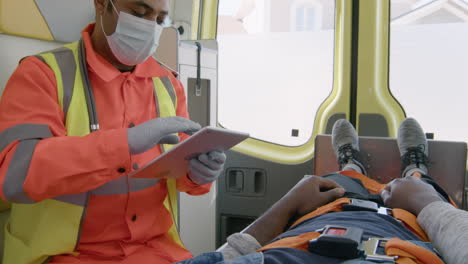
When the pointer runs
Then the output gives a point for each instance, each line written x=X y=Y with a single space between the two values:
x=346 y=243
x=361 y=205
x=338 y=242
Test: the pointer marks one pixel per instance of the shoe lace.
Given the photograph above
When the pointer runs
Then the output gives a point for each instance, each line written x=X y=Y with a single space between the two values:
x=415 y=155
x=345 y=153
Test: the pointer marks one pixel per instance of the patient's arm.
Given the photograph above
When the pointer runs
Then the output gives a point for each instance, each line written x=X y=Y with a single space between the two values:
x=446 y=226
x=308 y=194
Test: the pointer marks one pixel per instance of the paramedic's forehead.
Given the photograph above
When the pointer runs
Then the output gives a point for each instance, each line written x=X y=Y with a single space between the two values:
x=159 y=6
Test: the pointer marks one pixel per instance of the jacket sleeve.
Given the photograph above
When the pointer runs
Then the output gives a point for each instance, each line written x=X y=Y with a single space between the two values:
x=38 y=160
x=184 y=184
x=447 y=227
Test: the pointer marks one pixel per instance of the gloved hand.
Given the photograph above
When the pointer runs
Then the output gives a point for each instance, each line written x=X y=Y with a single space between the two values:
x=159 y=131
x=206 y=167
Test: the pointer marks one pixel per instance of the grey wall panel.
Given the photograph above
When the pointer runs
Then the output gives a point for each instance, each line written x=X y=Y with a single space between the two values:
x=199 y=102
x=373 y=125
x=66 y=18
x=331 y=121
x=465 y=206
x=263 y=183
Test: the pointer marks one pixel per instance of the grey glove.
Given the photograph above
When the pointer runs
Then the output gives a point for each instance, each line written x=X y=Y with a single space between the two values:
x=206 y=167
x=158 y=131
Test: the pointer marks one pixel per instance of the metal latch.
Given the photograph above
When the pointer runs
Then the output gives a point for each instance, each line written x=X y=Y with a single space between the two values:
x=371 y=250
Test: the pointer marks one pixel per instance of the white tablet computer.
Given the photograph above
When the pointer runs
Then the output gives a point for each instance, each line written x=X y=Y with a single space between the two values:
x=174 y=163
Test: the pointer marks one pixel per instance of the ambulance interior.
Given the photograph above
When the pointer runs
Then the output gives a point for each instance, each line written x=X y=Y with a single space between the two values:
x=284 y=71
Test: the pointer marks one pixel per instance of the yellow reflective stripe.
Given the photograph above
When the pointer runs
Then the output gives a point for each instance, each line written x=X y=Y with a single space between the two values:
x=373 y=66
x=170 y=89
x=165 y=109
x=49 y=58
x=165 y=105
x=171 y=201
x=77 y=118
x=209 y=23
x=195 y=18
x=25 y=238
x=208 y=20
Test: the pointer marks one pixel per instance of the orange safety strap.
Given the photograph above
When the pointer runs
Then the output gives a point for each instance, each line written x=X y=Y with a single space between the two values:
x=298 y=242
x=373 y=186
x=410 y=221
x=336 y=206
x=409 y=253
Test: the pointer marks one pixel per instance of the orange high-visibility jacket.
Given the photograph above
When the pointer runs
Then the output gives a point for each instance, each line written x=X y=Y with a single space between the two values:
x=125 y=219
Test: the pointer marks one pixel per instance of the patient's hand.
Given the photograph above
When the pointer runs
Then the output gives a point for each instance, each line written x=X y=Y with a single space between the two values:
x=410 y=194
x=312 y=192
x=308 y=194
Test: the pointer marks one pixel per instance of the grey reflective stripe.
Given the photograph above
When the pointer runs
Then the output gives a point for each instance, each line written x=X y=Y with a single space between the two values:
x=23 y=132
x=170 y=89
x=67 y=65
x=120 y=186
x=17 y=172
x=141 y=184
x=40 y=58
x=76 y=199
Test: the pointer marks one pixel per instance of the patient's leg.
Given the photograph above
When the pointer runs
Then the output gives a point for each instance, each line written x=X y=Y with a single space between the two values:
x=349 y=184
x=414 y=152
x=345 y=142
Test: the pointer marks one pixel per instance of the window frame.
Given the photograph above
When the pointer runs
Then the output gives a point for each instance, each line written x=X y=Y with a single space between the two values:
x=336 y=102
x=318 y=19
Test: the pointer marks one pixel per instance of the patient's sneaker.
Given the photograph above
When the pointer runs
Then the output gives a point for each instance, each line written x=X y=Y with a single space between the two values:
x=345 y=143
x=413 y=148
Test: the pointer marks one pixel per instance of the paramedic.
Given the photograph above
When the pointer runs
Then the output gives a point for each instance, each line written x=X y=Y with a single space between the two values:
x=74 y=123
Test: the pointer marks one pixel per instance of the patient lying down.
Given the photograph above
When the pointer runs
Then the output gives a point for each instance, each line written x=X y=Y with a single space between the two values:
x=341 y=218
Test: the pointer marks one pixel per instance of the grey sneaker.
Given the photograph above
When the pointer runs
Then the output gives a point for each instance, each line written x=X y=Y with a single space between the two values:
x=413 y=147
x=345 y=143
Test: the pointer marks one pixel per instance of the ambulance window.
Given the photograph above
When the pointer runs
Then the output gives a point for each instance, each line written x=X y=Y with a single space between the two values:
x=429 y=62
x=275 y=66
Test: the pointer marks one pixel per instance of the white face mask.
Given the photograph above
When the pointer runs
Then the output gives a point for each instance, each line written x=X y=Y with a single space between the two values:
x=134 y=39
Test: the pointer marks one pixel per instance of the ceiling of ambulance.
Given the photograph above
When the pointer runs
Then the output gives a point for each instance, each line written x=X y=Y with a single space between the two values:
x=60 y=20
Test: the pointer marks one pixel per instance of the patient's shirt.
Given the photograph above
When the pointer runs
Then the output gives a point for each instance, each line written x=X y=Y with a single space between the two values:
x=373 y=225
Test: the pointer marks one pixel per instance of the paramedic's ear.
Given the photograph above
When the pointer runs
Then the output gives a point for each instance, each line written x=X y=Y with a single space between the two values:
x=100 y=6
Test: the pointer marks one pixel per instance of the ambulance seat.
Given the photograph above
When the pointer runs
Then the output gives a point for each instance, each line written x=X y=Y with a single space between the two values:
x=381 y=158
